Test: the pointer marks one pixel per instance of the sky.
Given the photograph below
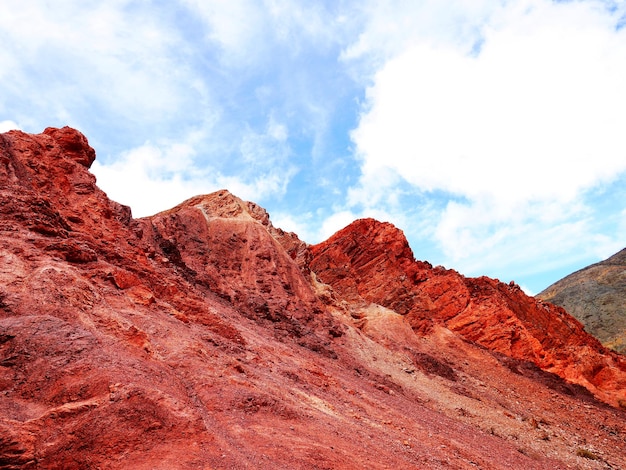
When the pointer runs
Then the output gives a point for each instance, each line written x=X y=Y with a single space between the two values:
x=492 y=132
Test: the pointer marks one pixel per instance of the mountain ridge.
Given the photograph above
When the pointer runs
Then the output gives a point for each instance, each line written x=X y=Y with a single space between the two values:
x=513 y=323
x=204 y=337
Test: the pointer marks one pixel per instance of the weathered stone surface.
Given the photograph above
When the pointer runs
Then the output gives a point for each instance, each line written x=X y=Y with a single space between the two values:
x=230 y=247
x=372 y=261
x=595 y=296
x=201 y=338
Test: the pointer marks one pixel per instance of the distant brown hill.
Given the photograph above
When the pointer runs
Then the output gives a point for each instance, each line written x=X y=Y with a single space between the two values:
x=596 y=296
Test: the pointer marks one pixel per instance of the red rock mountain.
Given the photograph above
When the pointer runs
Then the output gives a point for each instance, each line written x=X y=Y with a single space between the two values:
x=204 y=337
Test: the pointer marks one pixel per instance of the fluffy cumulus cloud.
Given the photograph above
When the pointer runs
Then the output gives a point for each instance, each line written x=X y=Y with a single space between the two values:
x=8 y=126
x=513 y=119
x=152 y=177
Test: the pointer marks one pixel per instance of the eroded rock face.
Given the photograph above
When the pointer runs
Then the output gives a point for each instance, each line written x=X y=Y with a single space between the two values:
x=204 y=337
x=372 y=261
x=230 y=247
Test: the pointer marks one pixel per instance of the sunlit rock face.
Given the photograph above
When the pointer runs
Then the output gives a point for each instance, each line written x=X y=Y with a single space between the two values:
x=373 y=262
x=205 y=337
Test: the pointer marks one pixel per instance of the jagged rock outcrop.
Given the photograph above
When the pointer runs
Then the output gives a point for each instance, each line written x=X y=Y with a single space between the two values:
x=372 y=261
x=204 y=337
x=230 y=247
x=596 y=295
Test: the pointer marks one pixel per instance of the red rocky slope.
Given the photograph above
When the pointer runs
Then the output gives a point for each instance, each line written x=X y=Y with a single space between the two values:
x=203 y=337
x=372 y=261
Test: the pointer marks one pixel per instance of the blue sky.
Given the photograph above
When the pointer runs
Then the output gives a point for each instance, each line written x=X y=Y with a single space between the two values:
x=491 y=132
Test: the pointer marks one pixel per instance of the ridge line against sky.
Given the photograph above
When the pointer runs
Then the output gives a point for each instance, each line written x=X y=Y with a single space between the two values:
x=490 y=132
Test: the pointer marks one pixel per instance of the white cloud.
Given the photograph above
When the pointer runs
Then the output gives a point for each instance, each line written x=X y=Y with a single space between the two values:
x=250 y=32
x=504 y=123
x=390 y=28
x=157 y=176
x=336 y=222
x=152 y=178
x=76 y=62
x=234 y=25
x=8 y=126
x=377 y=187
x=475 y=237
x=301 y=224
x=277 y=131
x=515 y=129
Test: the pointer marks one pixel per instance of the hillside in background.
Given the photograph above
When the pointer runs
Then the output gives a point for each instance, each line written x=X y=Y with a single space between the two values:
x=205 y=337
x=596 y=295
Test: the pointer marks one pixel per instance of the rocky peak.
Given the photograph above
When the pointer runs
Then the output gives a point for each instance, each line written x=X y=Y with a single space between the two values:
x=231 y=247
x=64 y=149
x=223 y=204
x=367 y=249
x=46 y=185
x=73 y=145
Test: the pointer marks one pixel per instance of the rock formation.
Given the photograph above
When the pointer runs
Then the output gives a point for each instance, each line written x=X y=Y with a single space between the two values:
x=204 y=337
x=372 y=261
x=595 y=296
